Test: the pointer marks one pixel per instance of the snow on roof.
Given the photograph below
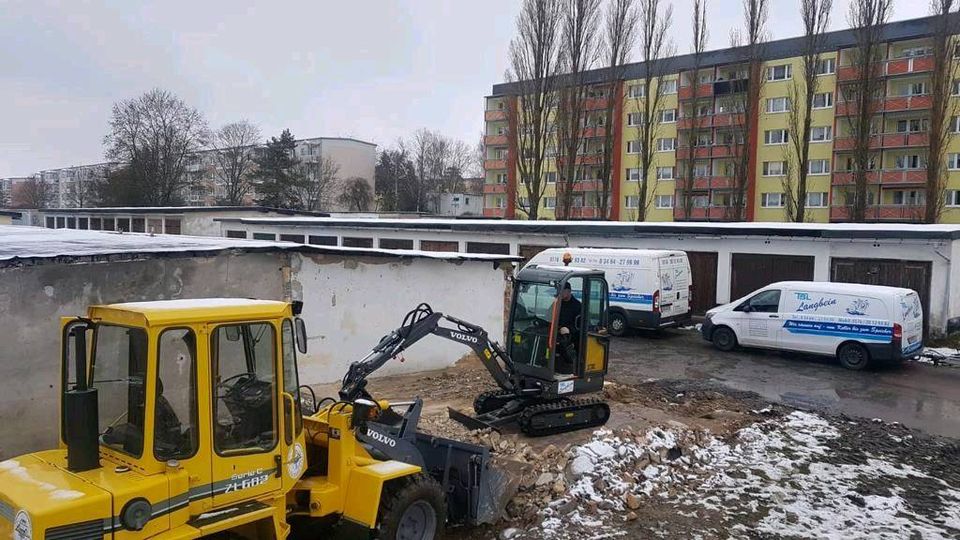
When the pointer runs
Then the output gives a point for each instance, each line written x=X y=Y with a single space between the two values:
x=834 y=286
x=26 y=243
x=193 y=303
x=835 y=230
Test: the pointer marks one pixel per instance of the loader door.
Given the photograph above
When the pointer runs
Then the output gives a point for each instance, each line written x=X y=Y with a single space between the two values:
x=246 y=458
x=596 y=340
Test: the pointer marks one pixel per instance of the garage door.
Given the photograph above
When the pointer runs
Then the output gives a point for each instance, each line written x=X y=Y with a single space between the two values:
x=890 y=272
x=703 y=271
x=750 y=271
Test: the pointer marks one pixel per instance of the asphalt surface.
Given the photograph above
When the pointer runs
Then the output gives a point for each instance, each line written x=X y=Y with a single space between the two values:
x=919 y=396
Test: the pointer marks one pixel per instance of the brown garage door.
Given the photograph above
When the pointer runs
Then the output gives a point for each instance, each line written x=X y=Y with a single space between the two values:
x=890 y=272
x=750 y=271
x=528 y=251
x=703 y=272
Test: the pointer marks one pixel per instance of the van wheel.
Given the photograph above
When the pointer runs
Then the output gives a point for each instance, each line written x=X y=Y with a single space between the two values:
x=853 y=356
x=618 y=324
x=412 y=509
x=724 y=339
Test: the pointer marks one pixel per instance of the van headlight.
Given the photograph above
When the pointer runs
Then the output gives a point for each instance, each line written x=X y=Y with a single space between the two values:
x=708 y=315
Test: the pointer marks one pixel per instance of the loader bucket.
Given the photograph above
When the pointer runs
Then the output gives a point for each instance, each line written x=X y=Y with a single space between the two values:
x=477 y=490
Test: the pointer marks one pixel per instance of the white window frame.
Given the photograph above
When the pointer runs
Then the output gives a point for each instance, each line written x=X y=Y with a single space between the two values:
x=822 y=195
x=633 y=147
x=784 y=136
x=667 y=144
x=631 y=198
x=547 y=203
x=672 y=113
x=830 y=63
x=669 y=86
x=828 y=100
x=827 y=134
x=765 y=199
x=666 y=197
x=635 y=91
x=635 y=119
x=953 y=161
x=824 y=166
x=772 y=102
x=664 y=169
x=768 y=166
x=952 y=198
x=629 y=174
x=550 y=177
x=772 y=72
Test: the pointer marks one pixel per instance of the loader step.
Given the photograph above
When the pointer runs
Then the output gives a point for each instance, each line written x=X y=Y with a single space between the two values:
x=563 y=415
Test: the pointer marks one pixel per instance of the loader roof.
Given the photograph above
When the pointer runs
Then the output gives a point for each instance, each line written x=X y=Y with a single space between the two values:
x=193 y=310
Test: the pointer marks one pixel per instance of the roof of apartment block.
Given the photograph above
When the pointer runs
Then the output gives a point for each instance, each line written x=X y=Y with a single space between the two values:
x=181 y=210
x=25 y=246
x=627 y=228
x=771 y=50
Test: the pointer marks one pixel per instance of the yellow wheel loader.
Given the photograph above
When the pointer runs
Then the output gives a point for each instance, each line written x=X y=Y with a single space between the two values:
x=182 y=419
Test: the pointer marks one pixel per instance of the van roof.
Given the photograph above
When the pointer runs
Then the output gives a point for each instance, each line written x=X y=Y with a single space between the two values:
x=832 y=286
x=620 y=251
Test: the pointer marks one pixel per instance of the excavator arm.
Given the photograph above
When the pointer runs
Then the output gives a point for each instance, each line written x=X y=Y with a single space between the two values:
x=417 y=324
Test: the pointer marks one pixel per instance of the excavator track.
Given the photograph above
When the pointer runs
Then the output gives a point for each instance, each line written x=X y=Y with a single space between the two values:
x=492 y=400
x=563 y=415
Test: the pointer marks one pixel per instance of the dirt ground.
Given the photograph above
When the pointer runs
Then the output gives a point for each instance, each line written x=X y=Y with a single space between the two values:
x=688 y=458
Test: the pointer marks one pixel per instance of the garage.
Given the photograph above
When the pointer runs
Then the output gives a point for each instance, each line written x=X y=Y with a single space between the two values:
x=890 y=272
x=750 y=271
x=703 y=272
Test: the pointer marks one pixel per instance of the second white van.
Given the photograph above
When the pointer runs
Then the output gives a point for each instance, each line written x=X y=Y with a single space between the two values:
x=649 y=288
x=857 y=324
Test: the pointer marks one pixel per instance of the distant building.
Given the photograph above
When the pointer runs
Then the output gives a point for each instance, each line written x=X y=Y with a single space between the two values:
x=460 y=204
x=70 y=186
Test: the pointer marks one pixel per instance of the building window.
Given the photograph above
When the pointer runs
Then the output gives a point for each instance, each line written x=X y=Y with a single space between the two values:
x=123 y=224
x=916 y=125
x=357 y=242
x=501 y=178
x=668 y=116
x=817 y=199
x=818 y=166
x=953 y=162
x=914 y=89
x=775 y=136
x=955 y=124
x=549 y=203
x=171 y=226
x=633 y=174
x=635 y=119
x=774 y=168
x=551 y=177
x=779 y=73
x=826 y=66
x=108 y=224
x=237 y=234
x=663 y=201
x=953 y=197
x=139 y=225
x=669 y=86
x=956 y=85
x=395 y=243
x=664 y=173
x=778 y=104
x=907 y=197
x=632 y=201
x=701 y=169
x=61 y=222
x=915 y=51
x=51 y=224
x=298 y=238
x=666 y=144
x=72 y=223
x=823 y=100
x=633 y=147
x=772 y=200
x=821 y=134
x=95 y=224
x=264 y=236
x=323 y=240
x=908 y=162
x=636 y=91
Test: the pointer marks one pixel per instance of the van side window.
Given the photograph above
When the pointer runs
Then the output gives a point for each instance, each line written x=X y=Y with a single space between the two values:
x=765 y=302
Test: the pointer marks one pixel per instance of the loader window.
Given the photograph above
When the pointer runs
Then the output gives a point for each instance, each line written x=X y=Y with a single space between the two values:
x=530 y=323
x=118 y=372
x=175 y=407
x=244 y=387
x=291 y=382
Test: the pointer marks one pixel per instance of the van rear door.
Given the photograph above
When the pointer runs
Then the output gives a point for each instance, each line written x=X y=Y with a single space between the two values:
x=911 y=322
x=674 y=280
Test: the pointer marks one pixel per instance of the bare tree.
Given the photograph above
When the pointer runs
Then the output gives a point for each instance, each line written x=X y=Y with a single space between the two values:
x=533 y=68
x=686 y=169
x=815 y=15
x=83 y=192
x=356 y=195
x=578 y=51
x=655 y=50
x=619 y=37
x=750 y=44
x=314 y=184
x=942 y=108
x=862 y=93
x=439 y=162
x=234 y=148
x=34 y=192
x=153 y=135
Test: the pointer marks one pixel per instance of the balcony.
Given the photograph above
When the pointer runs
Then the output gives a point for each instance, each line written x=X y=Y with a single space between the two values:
x=593 y=132
x=495 y=164
x=703 y=152
x=494 y=188
x=890 y=68
x=494 y=212
x=715 y=213
x=882 y=212
x=721 y=119
x=494 y=115
x=702 y=183
x=584 y=212
x=885 y=140
x=593 y=104
x=889 y=104
x=703 y=90
x=495 y=140
x=590 y=159
x=883 y=177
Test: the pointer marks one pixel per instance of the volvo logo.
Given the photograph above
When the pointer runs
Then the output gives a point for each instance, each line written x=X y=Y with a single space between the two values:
x=381 y=438
x=464 y=337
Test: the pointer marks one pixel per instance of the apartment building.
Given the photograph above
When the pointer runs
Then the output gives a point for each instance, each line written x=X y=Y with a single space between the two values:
x=69 y=186
x=701 y=136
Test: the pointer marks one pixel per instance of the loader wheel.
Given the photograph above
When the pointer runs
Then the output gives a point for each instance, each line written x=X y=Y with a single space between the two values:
x=412 y=509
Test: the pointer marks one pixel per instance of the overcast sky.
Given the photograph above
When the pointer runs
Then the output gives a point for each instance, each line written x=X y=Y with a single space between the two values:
x=371 y=69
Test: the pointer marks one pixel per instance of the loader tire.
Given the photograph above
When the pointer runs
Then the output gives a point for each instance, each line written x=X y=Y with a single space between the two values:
x=413 y=508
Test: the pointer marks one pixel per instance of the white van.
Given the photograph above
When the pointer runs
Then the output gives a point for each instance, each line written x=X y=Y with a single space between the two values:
x=649 y=288
x=858 y=324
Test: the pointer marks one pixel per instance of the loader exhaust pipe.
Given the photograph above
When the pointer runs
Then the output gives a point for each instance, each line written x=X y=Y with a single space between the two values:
x=81 y=432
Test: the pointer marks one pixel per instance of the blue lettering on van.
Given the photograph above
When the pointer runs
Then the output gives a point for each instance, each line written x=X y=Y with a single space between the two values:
x=815 y=306
x=868 y=332
x=628 y=298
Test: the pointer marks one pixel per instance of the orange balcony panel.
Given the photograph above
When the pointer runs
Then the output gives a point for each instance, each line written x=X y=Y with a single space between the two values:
x=899 y=212
x=851 y=73
x=493 y=164
x=898 y=140
x=591 y=159
x=900 y=177
x=898 y=66
x=721 y=182
x=491 y=116
x=592 y=104
x=846 y=178
x=921 y=64
x=493 y=212
x=727 y=119
x=837 y=213
x=687 y=122
x=719 y=151
x=586 y=185
x=584 y=212
x=591 y=132
x=496 y=140
x=907 y=103
x=849 y=108
x=494 y=188
x=843 y=143
x=703 y=90
x=918 y=139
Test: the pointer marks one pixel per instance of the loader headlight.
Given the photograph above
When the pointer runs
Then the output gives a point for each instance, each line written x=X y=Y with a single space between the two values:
x=135 y=514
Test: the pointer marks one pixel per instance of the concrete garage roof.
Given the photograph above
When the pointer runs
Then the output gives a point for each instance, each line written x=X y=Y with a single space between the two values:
x=629 y=229
x=22 y=245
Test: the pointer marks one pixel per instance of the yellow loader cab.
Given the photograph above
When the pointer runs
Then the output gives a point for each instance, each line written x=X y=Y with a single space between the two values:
x=182 y=419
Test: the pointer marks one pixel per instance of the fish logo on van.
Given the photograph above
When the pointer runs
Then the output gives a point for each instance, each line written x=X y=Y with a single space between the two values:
x=858 y=307
x=911 y=309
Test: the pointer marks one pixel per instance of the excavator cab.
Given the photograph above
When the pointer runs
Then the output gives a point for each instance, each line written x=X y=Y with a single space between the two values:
x=557 y=328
